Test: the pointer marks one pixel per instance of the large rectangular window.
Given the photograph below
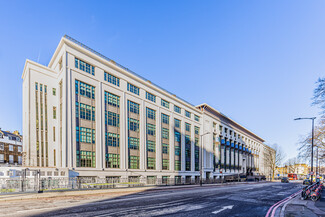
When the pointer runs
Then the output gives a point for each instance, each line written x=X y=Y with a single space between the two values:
x=134 y=162
x=188 y=114
x=165 y=103
x=133 y=107
x=133 y=124
x=112 y=99
x=177 y=109
x=150 y=97
x=165 y=118
x=87 y=135
x=85 y=90
x=151 y=163
x=113 y=139
x=165 y=148
x=177 y=123
x=165 y=133
x=113 y=119
x=111 y=79
x=133 y=89
x=83 y=66
x=87 y=159
x=188 y=127
x=151 y=146
x=133 y=143
x=187 y=153
x=87 y=112
x=112 y=160
x=151 y=114
x=151 y=129
x=165 y=165
x=177 y=165
x=196 y=118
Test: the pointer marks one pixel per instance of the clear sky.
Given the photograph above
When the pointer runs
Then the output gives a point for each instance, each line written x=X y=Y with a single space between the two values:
x=255 y=61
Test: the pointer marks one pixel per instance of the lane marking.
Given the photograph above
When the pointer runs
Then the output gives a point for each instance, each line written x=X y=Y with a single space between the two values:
x=223 y=208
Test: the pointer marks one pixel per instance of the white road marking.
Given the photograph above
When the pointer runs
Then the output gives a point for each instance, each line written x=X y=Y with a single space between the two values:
x=248 y=188
x=223 y=208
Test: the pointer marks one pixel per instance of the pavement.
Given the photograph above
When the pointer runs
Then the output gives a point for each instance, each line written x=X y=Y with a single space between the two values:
x=246 y=199
x=304 y=208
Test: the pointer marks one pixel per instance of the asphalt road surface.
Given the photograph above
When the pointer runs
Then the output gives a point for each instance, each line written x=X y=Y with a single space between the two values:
x=233 y=200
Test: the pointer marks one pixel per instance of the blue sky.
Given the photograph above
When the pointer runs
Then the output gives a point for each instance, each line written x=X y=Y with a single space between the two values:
x=255 y=61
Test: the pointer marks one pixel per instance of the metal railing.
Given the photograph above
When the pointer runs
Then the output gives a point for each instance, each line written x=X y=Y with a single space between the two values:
x=80 y=183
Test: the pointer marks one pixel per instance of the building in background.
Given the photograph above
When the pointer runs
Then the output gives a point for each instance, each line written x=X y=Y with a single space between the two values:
x=10 y=148
x=91 y=115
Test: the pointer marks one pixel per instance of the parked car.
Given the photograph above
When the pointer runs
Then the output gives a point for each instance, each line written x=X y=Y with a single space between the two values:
x=306 y=182
x=285 y=180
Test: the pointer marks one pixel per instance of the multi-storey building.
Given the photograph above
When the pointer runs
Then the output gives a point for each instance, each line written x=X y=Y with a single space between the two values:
x=88 y=113
x=10 y=148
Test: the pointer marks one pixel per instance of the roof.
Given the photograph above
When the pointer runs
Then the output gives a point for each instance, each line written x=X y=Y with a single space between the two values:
x=66 y=37
x=205 y=105
x=8 y=133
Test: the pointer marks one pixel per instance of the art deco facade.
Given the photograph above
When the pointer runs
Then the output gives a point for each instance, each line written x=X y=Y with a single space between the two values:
x=87 y=113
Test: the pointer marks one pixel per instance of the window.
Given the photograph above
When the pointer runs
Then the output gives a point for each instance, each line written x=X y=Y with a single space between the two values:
x=87 y=112
x=177 y=165
x=134 y=162
x=88 y=159
x=53 y=134
x=36 y=86
x=151 y=129
x=165 y=118
x=113 y=139
x=177 y=123
x=151 y=146
x=2 y=146
x=111 y=79
x=54 y=112
x=165 y=103
x=11 y=159
x=165 y=148
x=112 y=99
x=151 y=163
x=150 y=97
x=196 y=130
x=41 y=87
x=188 y=114
x=151 y=114
x=11 y=148
x=19 y=149
x=113 y=119
x=54 y=91
x=87 y=135
x=112 y=160
x=178 y=150
x=133 y=124
x=2 y=158
x=133 y=107
x=187 y=127
x=196 y=118
x=177 y=109
x=133 y=89
x=165 y=164
x=45 y=88
x=177 y=136
x=165 y=133
x=85 y=90
x=83 y=66
x=133 y=143
x=20 y=160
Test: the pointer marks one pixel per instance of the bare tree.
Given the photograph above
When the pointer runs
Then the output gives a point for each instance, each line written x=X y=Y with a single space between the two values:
x=319 y=95
x=273 y=158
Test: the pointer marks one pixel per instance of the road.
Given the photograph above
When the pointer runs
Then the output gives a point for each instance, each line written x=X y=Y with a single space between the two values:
x=233 y=200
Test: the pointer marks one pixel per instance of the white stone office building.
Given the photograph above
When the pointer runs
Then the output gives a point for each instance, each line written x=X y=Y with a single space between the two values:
x=87 y=113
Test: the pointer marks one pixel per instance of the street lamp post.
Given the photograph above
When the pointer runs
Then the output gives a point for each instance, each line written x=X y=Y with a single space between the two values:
x=201 y=168
x=312 y=143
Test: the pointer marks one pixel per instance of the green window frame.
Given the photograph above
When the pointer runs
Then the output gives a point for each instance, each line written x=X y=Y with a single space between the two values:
x=165 y=165
x=133 y=89
x=134 y=143
x=83 y=66
x=165 y=133
x=188 y=127
x=111 y=79
x=151 y=163
x=151 y=114
x=165 y=118
x=177 y=109
x=151 y=146
x=133 y=107
x=188 y=114
x=151 y=129
x=150 y=97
